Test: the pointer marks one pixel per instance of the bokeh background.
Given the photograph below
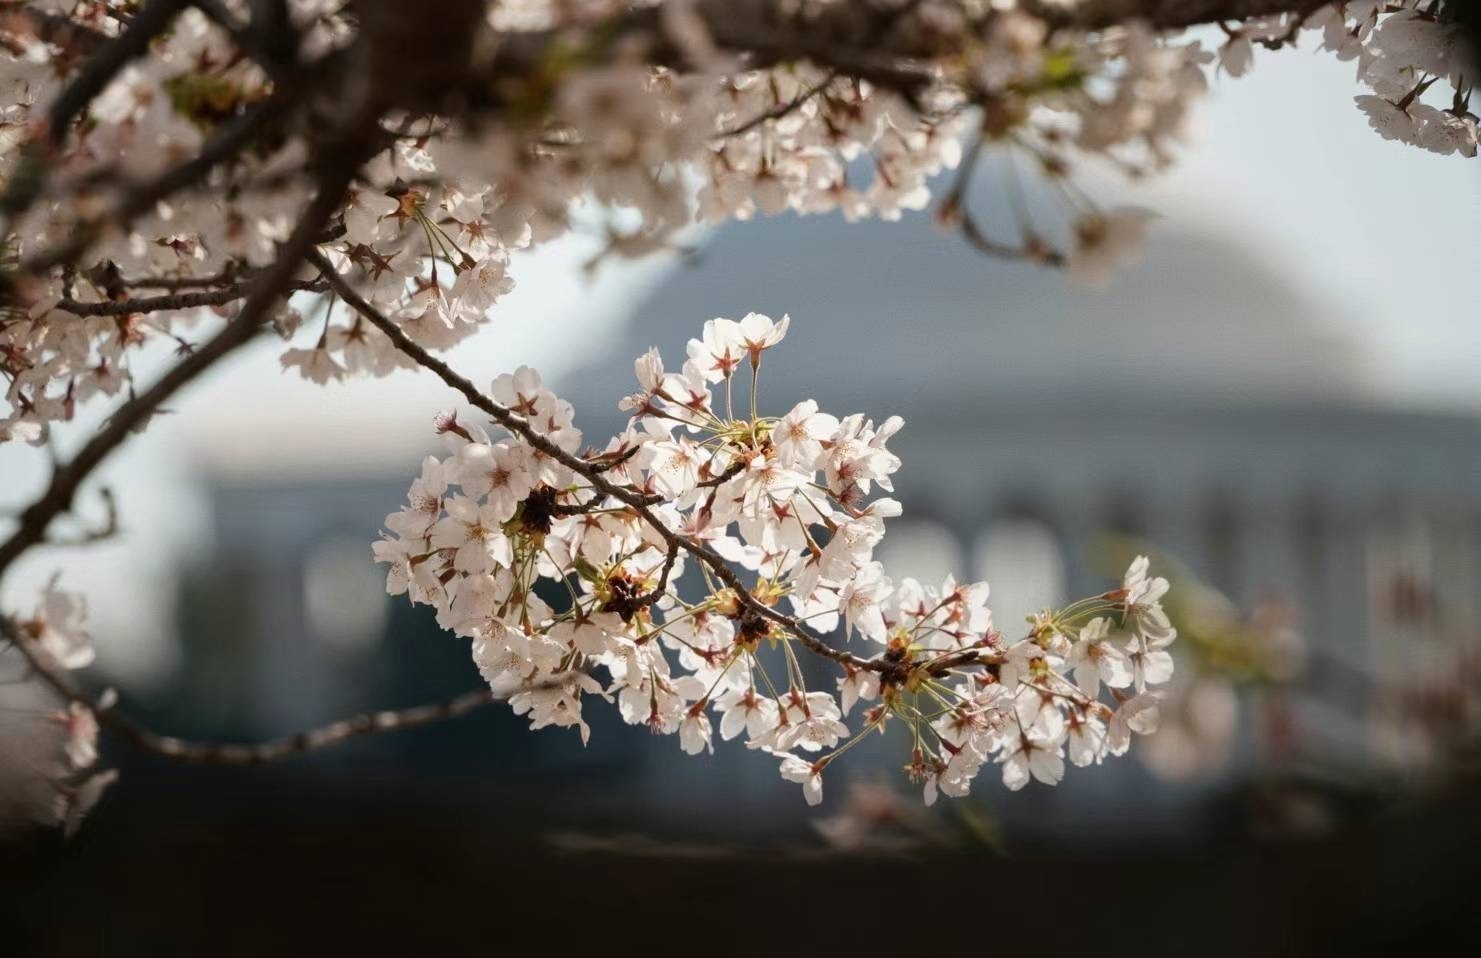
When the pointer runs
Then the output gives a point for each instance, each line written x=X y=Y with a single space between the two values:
x=1279 y=402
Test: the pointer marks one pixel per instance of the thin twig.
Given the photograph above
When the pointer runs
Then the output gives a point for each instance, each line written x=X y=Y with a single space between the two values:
x=781 y=109
x=663 y=577
x=730 y=472
x=955 y=209
x=231 y=274
x=87 y=537
x=270 y=39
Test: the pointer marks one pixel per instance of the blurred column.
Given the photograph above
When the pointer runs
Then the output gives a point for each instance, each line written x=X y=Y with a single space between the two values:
x=1221 y=531
x=1079 y=527
x=1173 y=527
x=1270 y=567
x=1456 y=572
x=1341 y=639
x=1311 y=534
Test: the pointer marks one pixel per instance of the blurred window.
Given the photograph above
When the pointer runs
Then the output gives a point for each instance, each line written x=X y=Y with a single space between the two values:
x=344 y=595
x=1400 y=582
x=1024 y=563
x=922 y=549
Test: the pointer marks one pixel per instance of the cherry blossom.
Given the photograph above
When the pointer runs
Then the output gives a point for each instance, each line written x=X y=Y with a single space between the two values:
x=81 y=729
x=212 y=184
x=58 y=627
x=56 y=641
x=1096 y=659
x=427 y=227
x=1104 y=242
x=808 y=774
x=1032 y=755
x=671 y=554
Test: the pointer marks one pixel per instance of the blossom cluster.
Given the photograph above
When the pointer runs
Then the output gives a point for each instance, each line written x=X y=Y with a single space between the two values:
x=69 y=783
x=688 y=568
x=427 y=231
x=607 y=139
x=1402 y=50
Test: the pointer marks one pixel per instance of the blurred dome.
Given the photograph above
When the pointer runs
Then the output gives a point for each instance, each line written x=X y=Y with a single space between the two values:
x=899 y=315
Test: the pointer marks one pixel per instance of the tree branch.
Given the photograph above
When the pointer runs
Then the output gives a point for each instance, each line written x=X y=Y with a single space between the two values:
x=1161 y=14
x=865 y=40
x=155 y=304
x=230 y=753
x=861 y=40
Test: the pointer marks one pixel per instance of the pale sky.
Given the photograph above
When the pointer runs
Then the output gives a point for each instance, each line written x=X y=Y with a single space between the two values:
x=1280 y=161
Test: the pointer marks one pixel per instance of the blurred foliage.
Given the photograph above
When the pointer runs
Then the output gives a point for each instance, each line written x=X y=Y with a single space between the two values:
x=1259 y=646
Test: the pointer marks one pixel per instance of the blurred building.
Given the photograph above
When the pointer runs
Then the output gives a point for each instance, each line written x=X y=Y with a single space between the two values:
x=1199 y=405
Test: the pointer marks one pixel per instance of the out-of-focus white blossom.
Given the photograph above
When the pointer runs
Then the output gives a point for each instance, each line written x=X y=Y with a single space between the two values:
x=58 y=628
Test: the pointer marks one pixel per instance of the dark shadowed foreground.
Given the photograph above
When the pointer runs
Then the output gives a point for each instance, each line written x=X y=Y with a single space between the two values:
x=292 y=863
